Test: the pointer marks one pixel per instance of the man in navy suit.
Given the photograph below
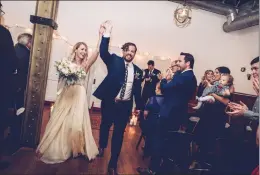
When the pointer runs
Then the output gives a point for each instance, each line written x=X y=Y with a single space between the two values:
x=151 y=79
x=122 y=83
x=179 y=91
x=174 y=110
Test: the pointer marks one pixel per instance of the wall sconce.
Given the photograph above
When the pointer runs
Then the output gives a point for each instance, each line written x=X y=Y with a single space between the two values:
x=243 y=69
x=248 y=76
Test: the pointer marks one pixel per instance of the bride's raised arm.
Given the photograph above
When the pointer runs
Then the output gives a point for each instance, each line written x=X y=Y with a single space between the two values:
x=95 y=53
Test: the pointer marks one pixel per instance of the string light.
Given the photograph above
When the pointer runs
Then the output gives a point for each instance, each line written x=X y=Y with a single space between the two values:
x=56 y=35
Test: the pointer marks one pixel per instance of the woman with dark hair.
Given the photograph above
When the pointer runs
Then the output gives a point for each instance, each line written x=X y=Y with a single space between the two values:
x=212 y=122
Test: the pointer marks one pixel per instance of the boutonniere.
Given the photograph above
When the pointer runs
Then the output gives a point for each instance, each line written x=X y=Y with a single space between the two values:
x=152 y=74
x=137 y=75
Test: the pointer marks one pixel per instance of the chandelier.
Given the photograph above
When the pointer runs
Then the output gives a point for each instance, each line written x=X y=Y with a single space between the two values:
x=182 y=16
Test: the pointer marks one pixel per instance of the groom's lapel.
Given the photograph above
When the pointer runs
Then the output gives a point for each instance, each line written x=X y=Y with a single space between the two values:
x=135 y=69
x=135 y=72
x=122 y=67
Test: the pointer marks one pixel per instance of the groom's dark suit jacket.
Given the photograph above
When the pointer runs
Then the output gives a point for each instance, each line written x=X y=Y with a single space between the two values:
x=111 y=85
x=177 y=94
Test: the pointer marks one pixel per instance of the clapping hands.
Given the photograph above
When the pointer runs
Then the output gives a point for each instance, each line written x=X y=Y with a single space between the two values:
x=237 y=109
x=165 y=75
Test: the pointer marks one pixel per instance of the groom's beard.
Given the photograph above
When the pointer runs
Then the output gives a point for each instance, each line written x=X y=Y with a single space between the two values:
x=130 y=58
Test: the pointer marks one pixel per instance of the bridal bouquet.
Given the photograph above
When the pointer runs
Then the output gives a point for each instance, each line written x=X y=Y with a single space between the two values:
x=69 y=71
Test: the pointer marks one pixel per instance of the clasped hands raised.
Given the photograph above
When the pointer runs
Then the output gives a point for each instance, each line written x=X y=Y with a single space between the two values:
x=107 y=26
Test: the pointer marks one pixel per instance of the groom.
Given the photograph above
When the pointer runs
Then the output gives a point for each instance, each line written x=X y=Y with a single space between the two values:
x=122 y=83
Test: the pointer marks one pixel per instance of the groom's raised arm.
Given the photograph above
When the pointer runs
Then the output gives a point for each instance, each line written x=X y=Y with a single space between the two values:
x=104 y=53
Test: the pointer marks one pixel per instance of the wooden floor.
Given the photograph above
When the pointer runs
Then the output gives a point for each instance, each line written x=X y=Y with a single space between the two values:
x=24 y=161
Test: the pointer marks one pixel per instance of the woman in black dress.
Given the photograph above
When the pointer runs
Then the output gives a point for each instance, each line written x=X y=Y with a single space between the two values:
x=212 y=122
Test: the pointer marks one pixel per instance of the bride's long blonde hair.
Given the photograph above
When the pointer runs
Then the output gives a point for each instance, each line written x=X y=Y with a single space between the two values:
x=73 y=53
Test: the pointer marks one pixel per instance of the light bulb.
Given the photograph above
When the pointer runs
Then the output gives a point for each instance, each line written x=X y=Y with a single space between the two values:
x=28 y=30
x=64 y=38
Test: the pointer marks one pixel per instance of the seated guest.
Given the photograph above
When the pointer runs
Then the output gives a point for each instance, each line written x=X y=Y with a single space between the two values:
x=242 y=110
x=220 y=88
x=151 y=115
x=174 y=67
x=208 y=76
x=256 y=170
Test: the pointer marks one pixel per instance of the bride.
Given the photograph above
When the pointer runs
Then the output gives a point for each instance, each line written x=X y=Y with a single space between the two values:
x=68 y=131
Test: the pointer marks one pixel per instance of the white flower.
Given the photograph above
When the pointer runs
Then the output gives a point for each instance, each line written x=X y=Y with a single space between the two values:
x=69 y=71
x=59 y=67
x=65 y=71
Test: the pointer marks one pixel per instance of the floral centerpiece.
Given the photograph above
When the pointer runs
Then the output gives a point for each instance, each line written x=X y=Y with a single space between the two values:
x=69 y=71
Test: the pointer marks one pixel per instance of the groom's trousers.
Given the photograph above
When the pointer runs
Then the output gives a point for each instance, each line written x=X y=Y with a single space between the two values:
x=116 y=113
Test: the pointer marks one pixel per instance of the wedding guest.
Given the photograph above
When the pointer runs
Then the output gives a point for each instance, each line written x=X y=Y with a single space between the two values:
x=22 y=49
x=242 y=110
x=220 y=88
x=173 y=111
x=174 y=67
x=209 y=76
x=212 y=123
x=7 y=70
x=151 y=79
x=151 y=115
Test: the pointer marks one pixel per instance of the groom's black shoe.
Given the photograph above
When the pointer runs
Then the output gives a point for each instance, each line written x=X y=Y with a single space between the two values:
x=101 y=152
x=112 y=171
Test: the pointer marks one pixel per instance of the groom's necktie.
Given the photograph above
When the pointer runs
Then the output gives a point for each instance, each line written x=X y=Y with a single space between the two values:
x=122 y=94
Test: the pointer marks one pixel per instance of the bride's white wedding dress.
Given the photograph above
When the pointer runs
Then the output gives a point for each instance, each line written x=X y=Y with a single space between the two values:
x=68 y=131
